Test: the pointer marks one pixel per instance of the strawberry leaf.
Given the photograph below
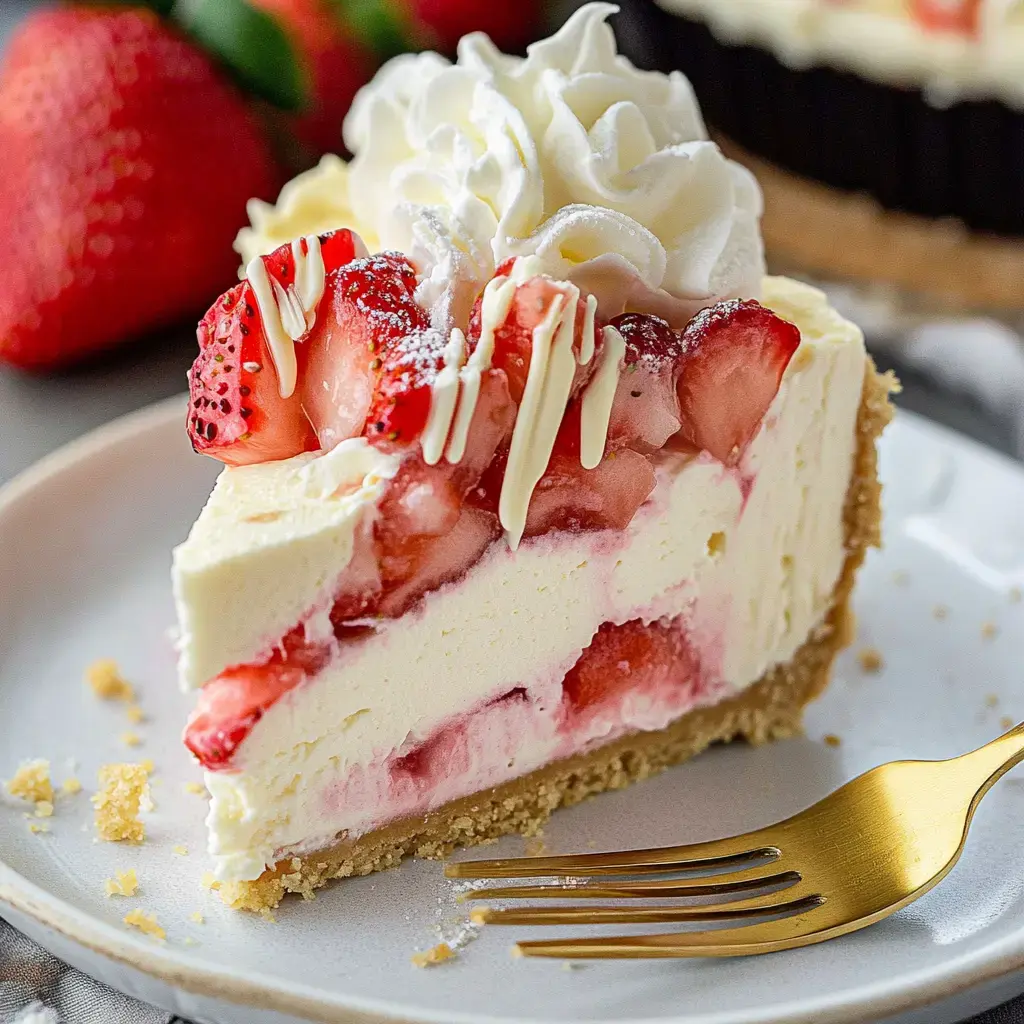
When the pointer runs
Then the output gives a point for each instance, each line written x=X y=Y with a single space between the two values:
x=252 y=45
x=382 y=25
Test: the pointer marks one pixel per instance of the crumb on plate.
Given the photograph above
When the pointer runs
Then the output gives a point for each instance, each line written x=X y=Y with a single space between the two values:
x=1006 y=722
x=38 y=829
x=131 y=739
x=435 y=955
x=71 y=786
x=991 y=700
x=989 y=631
x=197 y=788
x=181 y=850
x=832 y=740
x=124 y=884
x=197 y=917
x=1016 y=595
x=123 y=788
x=940 y=612
x=44 y=808
x=107 y=682
x=149 y=766
x=870 y=659
x=31 y=781
x=146 y=923
x=535 y=846
x=209 y=881
x=135 y=714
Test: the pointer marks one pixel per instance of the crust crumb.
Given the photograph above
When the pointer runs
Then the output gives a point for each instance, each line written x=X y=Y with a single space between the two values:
x=124 y=884
x=181 y=850
x=107 y=682
x=940 y=612
x=196 y=788
x=209 y=881
x=31 y=782
x=71 y=786
x=36 y=829
x=832 y=740
x=123 y=789
x=197 y=917
x=131 y=739
x=870 y=659
x=991 y=700
x=44 y=809
x=1006 y=722
x=989 y=631
x=146 y=923
x=135 y=714
x=435 y=955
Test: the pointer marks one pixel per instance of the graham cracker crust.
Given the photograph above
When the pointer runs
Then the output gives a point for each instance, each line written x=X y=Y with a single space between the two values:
x=770 y=709
x=832 y=233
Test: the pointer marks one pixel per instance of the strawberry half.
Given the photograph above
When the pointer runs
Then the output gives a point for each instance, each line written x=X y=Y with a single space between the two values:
x=734 y=356
x=645 y=412
x=367 y=315
x=236 y=412
x=959 y=16
x=513 y=340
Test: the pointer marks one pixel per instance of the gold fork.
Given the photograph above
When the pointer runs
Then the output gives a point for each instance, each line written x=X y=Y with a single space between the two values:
x=859 y=855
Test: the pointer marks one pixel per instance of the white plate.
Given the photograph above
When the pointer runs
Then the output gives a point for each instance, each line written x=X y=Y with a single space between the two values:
x=84 y=556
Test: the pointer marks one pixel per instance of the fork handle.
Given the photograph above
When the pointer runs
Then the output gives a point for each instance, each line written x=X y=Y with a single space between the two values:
x=988 y=764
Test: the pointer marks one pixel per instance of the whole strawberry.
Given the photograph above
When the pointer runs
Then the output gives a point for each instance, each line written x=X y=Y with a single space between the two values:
x=127 y=162
x=511 y=24
x=334 y=64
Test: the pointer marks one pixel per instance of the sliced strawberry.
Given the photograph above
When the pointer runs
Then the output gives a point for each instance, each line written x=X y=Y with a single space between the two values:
x=370 y=309
x=645 y=412
x=735 y=354
x=513 y=340
x=948 y=15
x=401 y=400
x=231 y=705
x=631 y=658
x=569 y=497
x=236 y=413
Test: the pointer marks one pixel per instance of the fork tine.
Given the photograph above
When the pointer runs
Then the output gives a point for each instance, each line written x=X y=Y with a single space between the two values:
x=757 y=937
x=759 y=877
x=720 y=853
x=756 y=906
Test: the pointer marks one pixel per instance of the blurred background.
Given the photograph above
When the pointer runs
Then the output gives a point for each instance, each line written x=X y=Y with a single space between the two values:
x=129 y=153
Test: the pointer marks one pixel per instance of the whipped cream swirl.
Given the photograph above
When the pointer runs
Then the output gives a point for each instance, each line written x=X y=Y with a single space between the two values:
x=571 y=155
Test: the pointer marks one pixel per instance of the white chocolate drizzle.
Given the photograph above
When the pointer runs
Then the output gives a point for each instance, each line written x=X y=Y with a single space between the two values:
x=553 y=363
x=288 y=314
x=596 y=404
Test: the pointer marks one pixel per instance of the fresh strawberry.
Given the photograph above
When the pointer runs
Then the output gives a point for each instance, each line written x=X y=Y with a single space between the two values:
x=236 y=413
x=366 y=316
x=645 y=413
x=231 y=705
x=444 y=22
x=401 y=400
x=959 y=16
x=569 y=497
x=631 y=658
x=513 y=340
x=334 y=63
x=735 y=354
x=128 y=161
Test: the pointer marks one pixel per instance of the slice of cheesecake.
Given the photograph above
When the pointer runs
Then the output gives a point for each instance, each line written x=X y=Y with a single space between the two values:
x=394 y=657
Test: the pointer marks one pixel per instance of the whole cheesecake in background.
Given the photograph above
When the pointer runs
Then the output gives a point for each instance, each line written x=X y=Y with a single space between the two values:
x=535 y=484
x=888 y=135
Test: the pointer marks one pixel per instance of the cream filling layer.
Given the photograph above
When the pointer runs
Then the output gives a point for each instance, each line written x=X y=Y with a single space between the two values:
x=751 y=556
x=880 y=40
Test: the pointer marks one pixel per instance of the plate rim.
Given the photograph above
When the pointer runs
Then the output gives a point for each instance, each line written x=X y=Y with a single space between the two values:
x=180 y=969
